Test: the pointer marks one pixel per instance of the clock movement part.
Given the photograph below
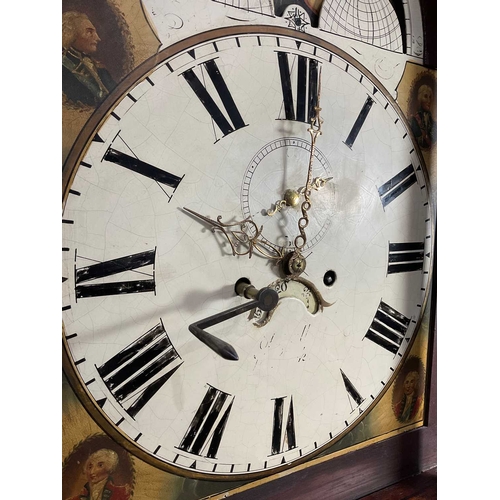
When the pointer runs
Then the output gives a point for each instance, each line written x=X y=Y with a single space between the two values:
x=265 y=299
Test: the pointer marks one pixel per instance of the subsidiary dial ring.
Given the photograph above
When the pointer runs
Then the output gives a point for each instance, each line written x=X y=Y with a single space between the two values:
x=274 y=172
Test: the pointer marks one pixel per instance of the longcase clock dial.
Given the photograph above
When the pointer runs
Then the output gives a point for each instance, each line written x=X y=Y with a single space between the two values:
x=174 y=202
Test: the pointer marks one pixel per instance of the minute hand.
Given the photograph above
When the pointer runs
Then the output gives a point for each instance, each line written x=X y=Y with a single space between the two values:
x=315 y=131
x=266 y=299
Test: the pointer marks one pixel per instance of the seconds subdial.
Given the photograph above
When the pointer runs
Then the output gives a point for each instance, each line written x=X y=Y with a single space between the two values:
x=276 y=168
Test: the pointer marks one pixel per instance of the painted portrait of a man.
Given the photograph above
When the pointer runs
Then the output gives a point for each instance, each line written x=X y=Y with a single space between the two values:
x=407 y=408
x=98 y=469
x=84 y=79
x=422 y=110
x=422 y=122
x=408 y=393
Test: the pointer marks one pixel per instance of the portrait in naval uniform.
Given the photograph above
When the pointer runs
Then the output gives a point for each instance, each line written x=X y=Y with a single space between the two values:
x=85 y=80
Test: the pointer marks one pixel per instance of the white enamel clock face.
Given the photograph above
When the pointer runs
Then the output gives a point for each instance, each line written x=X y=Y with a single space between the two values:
x=219 y=126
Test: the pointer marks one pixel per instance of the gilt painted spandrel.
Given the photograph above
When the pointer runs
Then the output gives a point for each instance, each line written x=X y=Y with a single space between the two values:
x=82 y=437
x=102 y=42
x=98 y=468
x=417 y=98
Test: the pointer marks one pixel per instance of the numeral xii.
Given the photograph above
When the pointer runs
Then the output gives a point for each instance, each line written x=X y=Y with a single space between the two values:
x=302 y=107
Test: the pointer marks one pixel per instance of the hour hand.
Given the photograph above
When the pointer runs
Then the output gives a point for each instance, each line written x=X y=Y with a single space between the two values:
x=243 y=236
x=265 y=299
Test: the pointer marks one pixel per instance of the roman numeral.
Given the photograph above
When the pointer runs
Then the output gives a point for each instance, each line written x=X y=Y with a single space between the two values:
x=283 y=438
x=397 y=185
x=204 y=434
x=115 y=266
x=360 y=120
x=138 y=372
x=141 y=167
x=300 y=108
x=388 y=328
x=351 y=390
x=405 y=257
x=226 y=126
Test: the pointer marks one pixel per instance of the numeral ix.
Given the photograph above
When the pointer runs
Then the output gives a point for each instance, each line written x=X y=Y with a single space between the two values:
x=111 y=267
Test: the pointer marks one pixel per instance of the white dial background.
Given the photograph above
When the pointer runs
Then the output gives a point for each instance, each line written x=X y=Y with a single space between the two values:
x=114 y=212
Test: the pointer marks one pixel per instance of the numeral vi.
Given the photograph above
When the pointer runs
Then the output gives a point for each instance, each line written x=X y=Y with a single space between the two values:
x=283 y=437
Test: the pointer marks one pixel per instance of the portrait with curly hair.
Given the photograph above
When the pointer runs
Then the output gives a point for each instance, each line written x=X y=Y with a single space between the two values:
x=408 y=391
x=422 y=110
x=96 y=51
x=98 y=469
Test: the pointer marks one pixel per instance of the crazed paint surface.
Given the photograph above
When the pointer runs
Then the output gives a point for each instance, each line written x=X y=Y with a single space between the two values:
x=174 y=486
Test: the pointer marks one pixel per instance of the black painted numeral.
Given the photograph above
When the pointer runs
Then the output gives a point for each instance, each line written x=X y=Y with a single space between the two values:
x=300 y=108
x=283 y=438
x=204 y=434
x=235 y=121
x=353 y=134
x=405 y=257
x=115 y=266
x=351 y=390
x=388 y=328
x=397 y=185
x=138 y=372
x=141 y=167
